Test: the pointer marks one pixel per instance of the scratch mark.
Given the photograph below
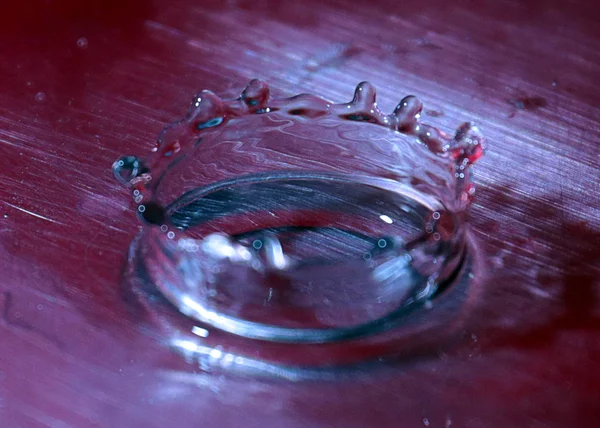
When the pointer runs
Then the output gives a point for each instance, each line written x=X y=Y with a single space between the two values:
x=334 y=56
x=536 y=291
x=161 y=27
x=34 y=214
x=38 y=416
x=85 y=253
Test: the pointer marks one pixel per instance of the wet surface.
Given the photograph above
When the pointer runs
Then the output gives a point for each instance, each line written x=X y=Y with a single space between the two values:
x=80 y=89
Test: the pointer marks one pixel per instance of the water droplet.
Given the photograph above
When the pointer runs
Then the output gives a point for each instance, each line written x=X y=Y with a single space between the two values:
x=127 y=168
x=82 y=43
x=40 y=97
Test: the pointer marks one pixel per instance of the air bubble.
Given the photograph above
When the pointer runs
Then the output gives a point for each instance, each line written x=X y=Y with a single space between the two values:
x=128 y=168
x=82 y=43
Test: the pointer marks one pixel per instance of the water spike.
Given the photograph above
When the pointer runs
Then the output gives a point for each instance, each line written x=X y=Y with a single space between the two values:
x=432 y=137
x=468 y=143
x=207 y=111
x=256 y=95
x=364 y=95
x=407 y=114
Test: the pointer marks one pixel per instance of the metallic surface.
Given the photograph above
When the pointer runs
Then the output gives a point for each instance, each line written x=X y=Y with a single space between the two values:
x=84 y=82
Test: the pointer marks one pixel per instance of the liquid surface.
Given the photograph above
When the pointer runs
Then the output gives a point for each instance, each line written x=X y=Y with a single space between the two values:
x=323 y=252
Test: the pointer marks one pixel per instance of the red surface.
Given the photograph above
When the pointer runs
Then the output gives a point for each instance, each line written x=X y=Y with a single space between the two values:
x=526 y=72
